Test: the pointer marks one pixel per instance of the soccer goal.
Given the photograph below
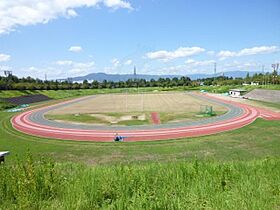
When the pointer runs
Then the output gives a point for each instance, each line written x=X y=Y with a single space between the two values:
x=206 y=110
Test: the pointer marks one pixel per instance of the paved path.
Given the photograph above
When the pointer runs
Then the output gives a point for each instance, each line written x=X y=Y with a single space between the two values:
x=33 y=122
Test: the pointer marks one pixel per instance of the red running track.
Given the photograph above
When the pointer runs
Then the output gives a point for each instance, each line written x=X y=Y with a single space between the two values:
x=155 y=118
x=22 y=123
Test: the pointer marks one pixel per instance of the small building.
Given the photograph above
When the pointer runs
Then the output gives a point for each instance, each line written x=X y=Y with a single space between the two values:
x=237 y=92
x=254 y=83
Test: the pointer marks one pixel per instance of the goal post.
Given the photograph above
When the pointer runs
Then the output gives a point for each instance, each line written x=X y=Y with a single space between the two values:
x=207 y=110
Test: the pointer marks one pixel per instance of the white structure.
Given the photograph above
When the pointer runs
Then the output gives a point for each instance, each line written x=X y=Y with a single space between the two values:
x=2 y=156
x=252 y=83
x=236 y=92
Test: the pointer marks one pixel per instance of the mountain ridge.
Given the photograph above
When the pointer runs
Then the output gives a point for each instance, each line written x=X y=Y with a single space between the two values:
x=124 y=77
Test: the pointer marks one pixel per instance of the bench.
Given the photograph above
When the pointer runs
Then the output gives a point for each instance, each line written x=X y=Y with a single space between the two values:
x=2 y=156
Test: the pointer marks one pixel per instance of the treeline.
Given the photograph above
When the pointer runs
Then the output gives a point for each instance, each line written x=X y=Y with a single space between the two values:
x=14 y=83
x=261 y=79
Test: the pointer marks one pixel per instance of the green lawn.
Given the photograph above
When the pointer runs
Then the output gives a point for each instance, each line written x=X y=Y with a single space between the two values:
x=81 y=118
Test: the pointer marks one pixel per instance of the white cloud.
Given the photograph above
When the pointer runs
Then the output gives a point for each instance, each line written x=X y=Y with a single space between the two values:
x=39 y=72
x=116 y=4
x=4 y=57
x=179 y=53
x=115 y=66
x=226 y=54
x=128 y=62
x=259 y=50
x=14 y=13
x=71 y=13
x=211 y=52
x=237 y=65
x=64 y=62
x=75 y=49
x=200 y=63
x=115 y=62
x=206 y=67
x=87 y=65
x=72 y=64
x=61 y=69
x=248 y=51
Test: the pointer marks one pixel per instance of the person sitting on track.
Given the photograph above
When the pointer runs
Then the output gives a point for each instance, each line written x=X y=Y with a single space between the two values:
x=118 y=138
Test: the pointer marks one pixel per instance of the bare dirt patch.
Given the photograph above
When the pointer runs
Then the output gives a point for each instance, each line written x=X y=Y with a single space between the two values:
x=117 y=119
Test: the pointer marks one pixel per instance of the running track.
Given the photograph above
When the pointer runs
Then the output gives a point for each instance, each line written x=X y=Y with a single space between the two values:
x=32 y=122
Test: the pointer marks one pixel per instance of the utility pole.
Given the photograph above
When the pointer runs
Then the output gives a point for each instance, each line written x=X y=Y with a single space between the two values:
x=134 y=72
x=8 y=73
x=263 y=75
x=215 y=70
x=135 y=77
x=126 y=101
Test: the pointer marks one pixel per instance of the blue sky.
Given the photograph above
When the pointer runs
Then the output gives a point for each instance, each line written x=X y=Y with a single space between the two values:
x=76 y=37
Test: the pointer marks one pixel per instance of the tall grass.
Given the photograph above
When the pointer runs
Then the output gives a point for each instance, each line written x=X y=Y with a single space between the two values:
x=181 y=185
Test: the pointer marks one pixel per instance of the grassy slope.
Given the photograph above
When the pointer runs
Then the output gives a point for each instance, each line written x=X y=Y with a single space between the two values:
x=225 y=89
x=268 y=104
x=5 y=105
x=57 y=94
x=180 y=185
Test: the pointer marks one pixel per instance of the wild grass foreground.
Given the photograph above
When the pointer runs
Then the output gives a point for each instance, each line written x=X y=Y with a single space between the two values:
x=181 y=185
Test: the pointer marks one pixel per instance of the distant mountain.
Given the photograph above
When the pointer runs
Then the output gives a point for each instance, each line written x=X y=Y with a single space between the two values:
x=120 y=77
x=233 y=74
x=124 y=77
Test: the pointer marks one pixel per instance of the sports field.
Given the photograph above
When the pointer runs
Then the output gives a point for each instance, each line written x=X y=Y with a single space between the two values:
x=134 y=109
x=153 y=102
x=34 y=123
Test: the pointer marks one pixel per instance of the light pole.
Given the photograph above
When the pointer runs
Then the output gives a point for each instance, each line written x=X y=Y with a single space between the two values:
x=275 y=67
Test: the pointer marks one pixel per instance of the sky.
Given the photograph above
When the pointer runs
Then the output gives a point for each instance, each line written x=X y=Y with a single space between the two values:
x=68 y=38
